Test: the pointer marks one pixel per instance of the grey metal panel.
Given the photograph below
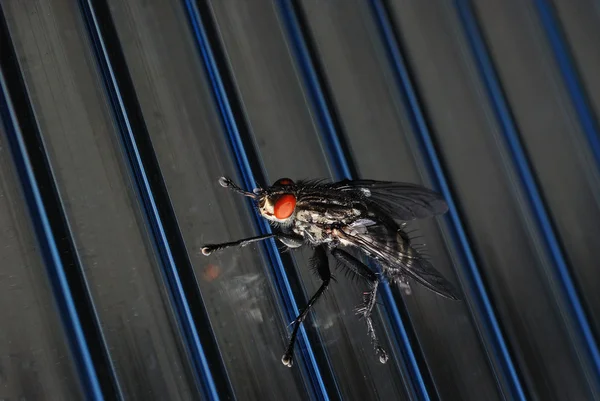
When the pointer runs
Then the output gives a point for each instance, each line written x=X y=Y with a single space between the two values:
x=383 y=147
x=554 y=139
x=289 y=146
x=101 y=207
x=34 y=357
x=494 y=211
x=190 y=144
x=580 y=22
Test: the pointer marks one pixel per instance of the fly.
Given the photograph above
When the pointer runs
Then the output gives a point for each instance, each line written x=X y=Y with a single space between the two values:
x=345 y=217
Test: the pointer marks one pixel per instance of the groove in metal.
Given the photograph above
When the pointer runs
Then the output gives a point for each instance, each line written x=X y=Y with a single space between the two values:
x=421 y=385
x=418 y=120
x=49 y=249
x=308 y=361
x=125 y=113
x=509 y=130
x=570 y=75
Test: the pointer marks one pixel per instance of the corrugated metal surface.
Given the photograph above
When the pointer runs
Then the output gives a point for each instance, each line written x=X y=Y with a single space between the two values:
x=119 y=117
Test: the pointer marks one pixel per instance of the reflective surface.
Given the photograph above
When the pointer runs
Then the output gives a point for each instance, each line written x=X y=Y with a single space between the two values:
x=192 y=152
x=493 y=205
x=101 y=206
x=34 y=357
x=362 y=84
x=279 y=123
x=289 y=147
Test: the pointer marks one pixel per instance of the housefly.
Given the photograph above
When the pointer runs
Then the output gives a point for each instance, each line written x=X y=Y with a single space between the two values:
x=351 y=216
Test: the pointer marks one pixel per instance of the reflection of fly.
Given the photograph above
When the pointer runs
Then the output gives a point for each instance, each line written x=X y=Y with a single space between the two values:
x=363 y=215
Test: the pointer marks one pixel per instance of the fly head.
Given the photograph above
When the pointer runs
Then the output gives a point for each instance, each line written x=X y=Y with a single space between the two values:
x=276 y=203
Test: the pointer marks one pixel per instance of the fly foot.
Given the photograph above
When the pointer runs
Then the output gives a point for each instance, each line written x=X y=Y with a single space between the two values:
x=383 y=356
x=286 y=359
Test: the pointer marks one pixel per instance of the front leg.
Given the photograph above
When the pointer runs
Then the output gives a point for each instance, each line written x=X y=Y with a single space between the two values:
x=291 y=240
x=321 y=266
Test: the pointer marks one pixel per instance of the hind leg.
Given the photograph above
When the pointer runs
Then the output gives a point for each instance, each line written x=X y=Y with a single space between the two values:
x=369 y=297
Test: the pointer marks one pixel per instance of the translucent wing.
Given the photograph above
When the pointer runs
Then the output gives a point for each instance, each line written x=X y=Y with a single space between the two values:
x=395 y=254
x=401 y=201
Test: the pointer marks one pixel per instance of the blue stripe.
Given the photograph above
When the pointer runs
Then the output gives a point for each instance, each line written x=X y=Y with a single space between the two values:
x=509 y=130
x=408 y=362
x=62 y=293
x=185 y=321
x=478 y=291
x=571 y=77
x=308 y=362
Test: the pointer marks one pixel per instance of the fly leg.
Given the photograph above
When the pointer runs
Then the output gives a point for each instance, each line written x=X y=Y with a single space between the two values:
x=291 y=240
x=369 y=297
x=321 y=266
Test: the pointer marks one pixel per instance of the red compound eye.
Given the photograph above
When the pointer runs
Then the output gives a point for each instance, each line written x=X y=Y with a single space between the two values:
x=284 y=181
x=284 y=207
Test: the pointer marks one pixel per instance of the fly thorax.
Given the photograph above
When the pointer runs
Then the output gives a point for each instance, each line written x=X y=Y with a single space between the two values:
x=328 y=216
x=304 y=226
x=316 y=225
